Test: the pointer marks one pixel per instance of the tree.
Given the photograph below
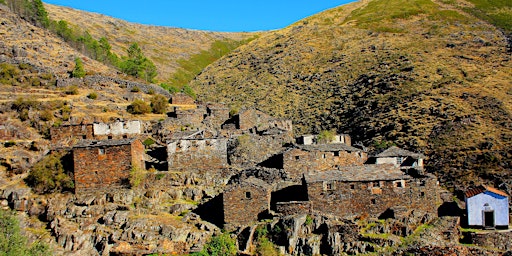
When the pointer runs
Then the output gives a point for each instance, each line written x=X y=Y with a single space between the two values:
x=12 y=242
x=138 y=107
x=136 y=64
x=79 y=70
x=48 y=175
x=159 y=104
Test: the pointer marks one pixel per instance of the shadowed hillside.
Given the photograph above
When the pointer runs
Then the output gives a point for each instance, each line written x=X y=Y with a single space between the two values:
x=427 y=75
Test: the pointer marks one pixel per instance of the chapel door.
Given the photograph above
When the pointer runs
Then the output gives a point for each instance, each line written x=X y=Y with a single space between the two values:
x=489 y=219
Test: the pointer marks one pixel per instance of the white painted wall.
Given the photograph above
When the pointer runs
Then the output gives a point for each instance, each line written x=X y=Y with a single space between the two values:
x=118 y=128
x=475 y=207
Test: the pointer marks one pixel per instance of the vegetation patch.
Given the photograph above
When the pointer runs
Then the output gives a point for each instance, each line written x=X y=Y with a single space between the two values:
x=49 y=175
x=13 y=242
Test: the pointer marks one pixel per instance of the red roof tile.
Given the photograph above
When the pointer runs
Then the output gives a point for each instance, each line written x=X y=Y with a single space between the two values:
x=481 y=189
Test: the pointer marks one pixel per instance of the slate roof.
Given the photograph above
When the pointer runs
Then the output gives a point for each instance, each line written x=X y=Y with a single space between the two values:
x=481 y=189
x=396 y=151
x=104 y=143
x=330 y=147
x=359 y=173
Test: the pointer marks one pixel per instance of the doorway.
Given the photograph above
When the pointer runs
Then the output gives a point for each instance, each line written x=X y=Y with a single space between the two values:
x=489 y=219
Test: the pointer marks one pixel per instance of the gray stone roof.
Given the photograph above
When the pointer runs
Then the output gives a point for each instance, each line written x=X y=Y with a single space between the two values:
x=359 y=173
x=104 y=143
x=396 y=151
x=330 y=147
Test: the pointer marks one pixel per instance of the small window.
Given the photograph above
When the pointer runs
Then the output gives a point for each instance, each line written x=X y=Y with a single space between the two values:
x=352 y=186
x=376 y=184
x=399 y=183
x=329 y=186
x=248 y=195
x=84 y=137
x=374 y=201
x=336 y=153
x=399 y=160
x=101 y=151
x=297 y=157
x=422 y=194
x=109 y=137
x=125 y=136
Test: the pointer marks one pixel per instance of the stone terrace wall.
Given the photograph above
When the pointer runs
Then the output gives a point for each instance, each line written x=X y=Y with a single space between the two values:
x=498 y=240
x=182 y=99
x=351 y=199
x=197 y=154
x=293 y=208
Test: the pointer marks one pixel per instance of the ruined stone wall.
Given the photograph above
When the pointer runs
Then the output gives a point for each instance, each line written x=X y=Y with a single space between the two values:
x=117 y=130
x=182 y=99
x=243 y=203
x=98 y=168
x=297 y=161
x=252 y=118
x=190 y=117
x=197 y=154
x=498 y=240
x=352 y=199
x=252 y=149
x=68 y=135
x=293 y=208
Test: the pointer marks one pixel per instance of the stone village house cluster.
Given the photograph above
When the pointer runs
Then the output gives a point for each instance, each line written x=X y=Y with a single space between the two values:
x=327 y=178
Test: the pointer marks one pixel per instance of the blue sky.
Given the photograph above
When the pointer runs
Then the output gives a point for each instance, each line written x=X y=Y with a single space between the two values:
x=210 y=15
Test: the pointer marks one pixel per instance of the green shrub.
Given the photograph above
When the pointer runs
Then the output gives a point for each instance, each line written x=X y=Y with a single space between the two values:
x=159 y=176
x=9 y=144
x=138 y=107
x=135 y=89
x=137 y=175
x=92 y=95
x=79 y=70
x=46 y=115
x=326 y=136
x=159 y=104
x=12 y=241
x=148 y=142
x=48 y=175
x=222 y=245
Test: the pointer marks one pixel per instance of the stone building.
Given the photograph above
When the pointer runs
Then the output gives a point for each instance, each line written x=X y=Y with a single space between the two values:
x=255 y=120
x=313 y=139
x=197 y=154
x=245 y=202
x=400 y=157
x=487 y=207
x=371 y=190
x=321 y=157
x=69 y=135
x=106 y=164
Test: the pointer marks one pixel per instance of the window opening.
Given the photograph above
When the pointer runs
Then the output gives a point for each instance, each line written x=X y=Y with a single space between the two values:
x=101 y=151
x=248 y=195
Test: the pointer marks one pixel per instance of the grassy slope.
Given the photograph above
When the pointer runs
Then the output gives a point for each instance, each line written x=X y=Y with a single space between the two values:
x=426 y=75
x=163 y=45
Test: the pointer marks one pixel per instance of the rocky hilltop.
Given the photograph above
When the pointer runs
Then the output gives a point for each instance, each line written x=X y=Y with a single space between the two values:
x=428 y=75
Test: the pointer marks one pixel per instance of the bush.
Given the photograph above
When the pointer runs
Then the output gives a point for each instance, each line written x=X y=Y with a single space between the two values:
x=326 y=136
x=135 y=89
x=222 y=245
x=138 y=107
x=48 y=175
x=12 y=242
x=71 y=90
x=79 y=70
x=159 y=104
x=92 y=95
x=137 y=175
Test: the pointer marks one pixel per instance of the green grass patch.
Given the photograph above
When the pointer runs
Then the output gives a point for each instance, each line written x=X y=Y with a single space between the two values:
x=190 y=68
x=497 y=12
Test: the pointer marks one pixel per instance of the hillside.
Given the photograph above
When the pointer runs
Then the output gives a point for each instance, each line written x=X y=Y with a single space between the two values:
x=165 y=46
x=427 y=75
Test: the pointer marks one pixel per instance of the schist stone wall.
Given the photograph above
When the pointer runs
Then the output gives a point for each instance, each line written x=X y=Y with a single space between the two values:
x=197 y=154
x=255 y=119
x=181 y=99
x=68 y=135
x=312 y=158
x=349 y=194
x=100 y=165
x=245 y=201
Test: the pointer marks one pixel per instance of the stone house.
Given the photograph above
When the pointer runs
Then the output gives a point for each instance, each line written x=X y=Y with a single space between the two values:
x=371 y=190
x=106 y=164
x=487 y=207
x=400 y=157
x=313 y=139
x=117 y=130
x=245 y=202
x=255 y=120
x=320 y=157
x=197 y=154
